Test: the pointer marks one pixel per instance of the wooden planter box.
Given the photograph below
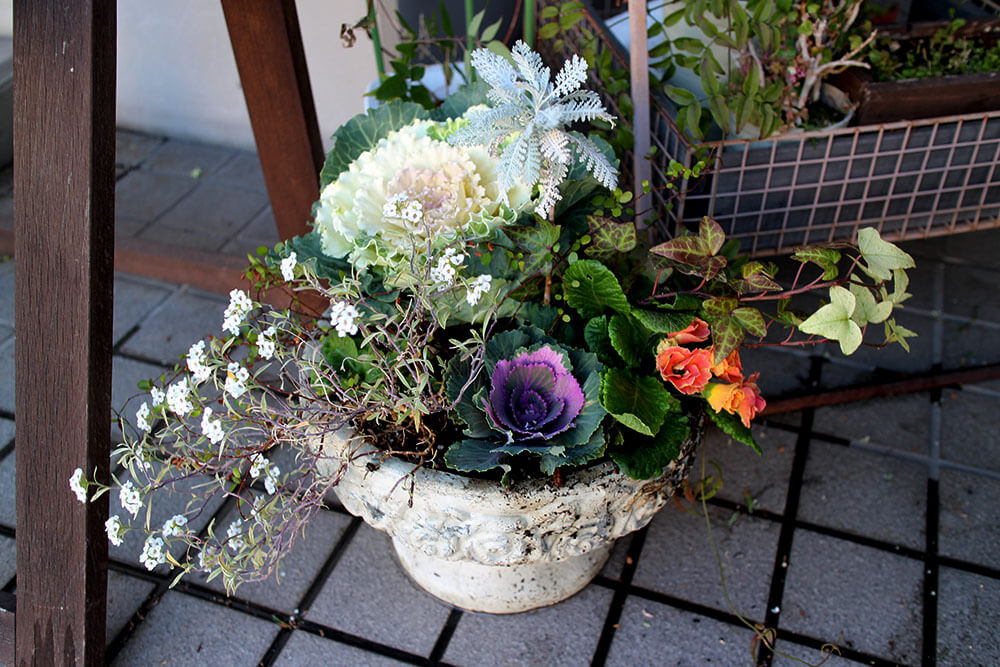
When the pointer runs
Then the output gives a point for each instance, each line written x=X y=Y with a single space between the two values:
x=910 y=179
x=913 y=99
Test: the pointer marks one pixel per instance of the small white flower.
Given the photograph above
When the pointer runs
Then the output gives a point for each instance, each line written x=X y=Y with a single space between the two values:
x=236 y=378
x=234 y=533
x=343 y=316
x=196 y=362
x=152 y=552
x=271 y=479
x=208 y=557
x=156 y=396
x=480 y=286
x=77 y=486
x=174 y=525
x=288 y=265
x=142 y=417
x=212 y=428
x=443 y=274
x=258 y=462
x=265 y=344
x=413 y=211
x=128 y=495
x=177 y=398
x=113 y=527
x=239 y=307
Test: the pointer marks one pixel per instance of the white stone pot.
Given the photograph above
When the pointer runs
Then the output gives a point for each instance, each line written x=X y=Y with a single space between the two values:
x=477 y=546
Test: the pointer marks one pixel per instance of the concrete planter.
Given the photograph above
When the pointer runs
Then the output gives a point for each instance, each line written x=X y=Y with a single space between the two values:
x=477 y=546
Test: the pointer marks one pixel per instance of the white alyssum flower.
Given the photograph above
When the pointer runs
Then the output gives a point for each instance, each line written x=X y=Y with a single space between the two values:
x=343 y=316
x=113 y=527
x=212 y=428
x=142 y=417
x=156 y=396
x=152 y=552
x=196 y=362
x=177 y=398
x=76 y=485
x=288 y=265
x=236 y=379
x=271 y=479
x=258 y=463
x=266 y=343
x=235 y=535
x=128 y=495
x=239 y=307
x=480 y=286
x=174 y=525
x=444 y=273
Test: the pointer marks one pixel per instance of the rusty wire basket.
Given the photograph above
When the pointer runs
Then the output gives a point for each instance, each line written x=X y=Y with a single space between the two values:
x=910 y=179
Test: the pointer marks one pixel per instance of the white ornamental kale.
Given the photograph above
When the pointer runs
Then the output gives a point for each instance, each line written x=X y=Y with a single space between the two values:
x=532 y=112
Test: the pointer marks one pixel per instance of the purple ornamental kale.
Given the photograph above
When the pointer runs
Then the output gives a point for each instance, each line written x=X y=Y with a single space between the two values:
x=533 y=396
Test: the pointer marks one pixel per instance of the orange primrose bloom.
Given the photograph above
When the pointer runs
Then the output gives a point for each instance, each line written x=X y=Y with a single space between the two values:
x=729 y=369
x=743 y=399
x=688 y=370
x=696 y=332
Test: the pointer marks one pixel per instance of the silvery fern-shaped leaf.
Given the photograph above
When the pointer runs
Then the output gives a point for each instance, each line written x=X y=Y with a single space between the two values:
x=548 y=184
x=555 y=146
x=494 y=70
x=532 y=69
x=571 y=76
x=584 y=109
x=595 y=161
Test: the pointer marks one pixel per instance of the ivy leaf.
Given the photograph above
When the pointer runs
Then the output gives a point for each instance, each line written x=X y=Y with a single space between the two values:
x=590 y=287
x=629 y=339
x=720 y=307
x=727 y=336
x=896 y=333
x=363 y=132
x=734 y=428
x=866 y=309
x=825 y=258
x=834 y=321
x=751 y=320
x=609 y=237
x=637 y=402
x=642 y=457
x=757 y=279
x=595 y=333
x=881 y=257
x=537 y=243
x=697 y=255
x=474 y=455
x=663 y=322
x=900 y=281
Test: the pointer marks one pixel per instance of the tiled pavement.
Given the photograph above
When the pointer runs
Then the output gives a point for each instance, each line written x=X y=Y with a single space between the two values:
x=869 y=524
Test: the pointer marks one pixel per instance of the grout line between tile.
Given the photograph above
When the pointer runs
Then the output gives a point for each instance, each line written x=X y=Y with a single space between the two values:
x=619 y=598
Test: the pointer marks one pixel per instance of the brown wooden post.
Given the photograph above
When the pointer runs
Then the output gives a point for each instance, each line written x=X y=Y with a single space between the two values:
x=267 y=44
x=64 y=147
x=639 y=69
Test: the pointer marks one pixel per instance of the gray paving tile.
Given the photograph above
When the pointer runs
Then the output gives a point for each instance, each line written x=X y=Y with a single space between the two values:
x=214 y=208
x=168 y=333
x=6 y=431
x=764 y=479
x=810 y=656
x=134 y=299
x=307 y=649
x=781 y=371
x=899 y=422
x=369 y=595
x=299 y=568
x=968 y=527
x=865 y=494
x=870 y=598
x=261 y=228
x=7 y=373
x=184 y=238
x=650 y=633
x=969 y=424
x=241 y=247
x=970 y=344
x=7 y=212
x=8 y=559
x=184 y=157
x=143 y=195
x=8 y=494
x=242 y=170
x=125 y=594
x=183 y=630
x=678 y=559
x=128 y=228
x=7 y=291
x=125 y=377
x=968 y=618
x=131 y=148
x=616 y=561
x=563 y=634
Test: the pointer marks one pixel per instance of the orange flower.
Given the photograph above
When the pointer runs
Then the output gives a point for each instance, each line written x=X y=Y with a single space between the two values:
x=688 y=370
x=729 y=369
x=743 y=399
x=696 y=332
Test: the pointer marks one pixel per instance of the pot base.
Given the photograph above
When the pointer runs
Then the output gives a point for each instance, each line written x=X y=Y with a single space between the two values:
x=501 y=589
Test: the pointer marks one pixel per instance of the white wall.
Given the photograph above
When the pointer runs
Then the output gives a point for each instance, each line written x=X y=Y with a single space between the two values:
x=177 y=75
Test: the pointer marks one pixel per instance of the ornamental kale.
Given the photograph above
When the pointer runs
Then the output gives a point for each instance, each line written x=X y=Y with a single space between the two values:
x=534 y=396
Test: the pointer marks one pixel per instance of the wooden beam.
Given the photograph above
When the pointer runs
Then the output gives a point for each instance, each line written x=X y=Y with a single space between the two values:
x=639 y=70
x=64 y=148
x=267 y=44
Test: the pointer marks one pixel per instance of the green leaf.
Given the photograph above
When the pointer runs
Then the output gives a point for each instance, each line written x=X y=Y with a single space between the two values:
x=734 y=428
x=896 y=333
x=466 y=96
x=720 y=307
x=363 y=132
x=900 y=281
x=609 y=238
x=757 y=279
x=537 y=243
x=881 y=257
x=308 y=249
x=595 y=333
x=663 y=322
x=752 y=320
x=637 y=402
x=472 y=27
x=491 y=30
x=727 y=336
x=680 y=96
x=575 y=456
x=834 y=321
x=474 y=455
x=825 y=258
x=590 y=287
x=642 y=457
x=548 y=31
x=629 y=339
x=866 y=310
